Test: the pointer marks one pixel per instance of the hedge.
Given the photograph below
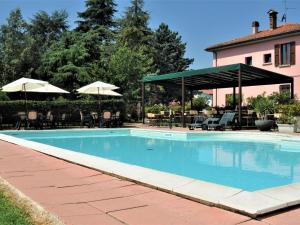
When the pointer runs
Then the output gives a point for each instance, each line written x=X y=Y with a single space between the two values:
x=8 y=109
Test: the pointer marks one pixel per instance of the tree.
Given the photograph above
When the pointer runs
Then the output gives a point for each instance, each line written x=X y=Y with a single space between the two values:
x=46 y=29
x=168 y=51
x=134 y=31
x=14 y=42
x=75 y=60
x=98 y=13
x=128 y=67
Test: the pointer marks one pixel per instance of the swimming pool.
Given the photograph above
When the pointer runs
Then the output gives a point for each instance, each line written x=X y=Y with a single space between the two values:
x=240 y=160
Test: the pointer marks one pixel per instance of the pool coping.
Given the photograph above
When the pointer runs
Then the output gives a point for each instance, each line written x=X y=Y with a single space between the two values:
x=249 y=203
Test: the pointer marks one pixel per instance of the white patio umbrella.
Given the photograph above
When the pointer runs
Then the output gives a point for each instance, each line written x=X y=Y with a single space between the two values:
x=49 y=88
x=110 y=93
x=31 y=85
x=99 y=88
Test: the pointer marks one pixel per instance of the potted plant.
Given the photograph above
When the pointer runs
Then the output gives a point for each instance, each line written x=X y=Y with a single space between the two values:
x=286 y=124
x=288 y=121
x=263 y=106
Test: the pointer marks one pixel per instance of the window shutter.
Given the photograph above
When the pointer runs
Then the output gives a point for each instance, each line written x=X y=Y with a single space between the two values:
x=277 y=47
x=293 y=53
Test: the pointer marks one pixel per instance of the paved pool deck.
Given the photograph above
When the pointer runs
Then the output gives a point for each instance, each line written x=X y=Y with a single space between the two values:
x=82 y=196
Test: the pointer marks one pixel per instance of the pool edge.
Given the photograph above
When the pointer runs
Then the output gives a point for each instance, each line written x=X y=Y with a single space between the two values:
x=233 y=199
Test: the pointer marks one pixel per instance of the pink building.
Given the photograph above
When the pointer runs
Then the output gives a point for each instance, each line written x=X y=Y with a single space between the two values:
x=276 y=49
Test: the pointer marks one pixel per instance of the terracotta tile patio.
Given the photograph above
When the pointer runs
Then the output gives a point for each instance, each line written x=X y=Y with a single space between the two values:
x=81 y=196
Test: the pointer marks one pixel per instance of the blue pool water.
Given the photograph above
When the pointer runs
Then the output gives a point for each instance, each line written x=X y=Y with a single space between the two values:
x=242 y=160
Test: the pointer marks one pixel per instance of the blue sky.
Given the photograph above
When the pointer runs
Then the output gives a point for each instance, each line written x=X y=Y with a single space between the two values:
x=199 y=22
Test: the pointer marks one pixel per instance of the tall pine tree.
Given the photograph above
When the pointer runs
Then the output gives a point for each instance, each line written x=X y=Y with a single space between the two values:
x=98 y=14
x=134 y=30
x=14 y=41
x=44 y=29
x=132 y=58
x=168 y=51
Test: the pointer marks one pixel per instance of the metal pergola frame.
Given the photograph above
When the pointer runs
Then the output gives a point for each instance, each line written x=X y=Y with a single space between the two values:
x=235 y=75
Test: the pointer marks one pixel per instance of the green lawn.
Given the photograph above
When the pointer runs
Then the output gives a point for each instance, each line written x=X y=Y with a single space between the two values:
x=11 y=215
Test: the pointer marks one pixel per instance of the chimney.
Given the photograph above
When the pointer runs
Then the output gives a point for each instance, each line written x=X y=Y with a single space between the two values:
x=273 y=19
x=255 y=26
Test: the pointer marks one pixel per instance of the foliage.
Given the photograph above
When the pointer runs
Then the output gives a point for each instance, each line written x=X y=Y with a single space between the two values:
x=11 y=215
x=98 y=14
x=288 y=112
x=9 y=109
x=175 y=106
x=44 y=48
x=156 y=108
x=200 y=103
x=262 y=104
x=22 y=44
x=168 y=51
x=46 y=29
x=74 y=60
x=14 y=41
x=229 y=100
x=133 y=27
x=3 y=96
x=126 y=68
x=281 y=98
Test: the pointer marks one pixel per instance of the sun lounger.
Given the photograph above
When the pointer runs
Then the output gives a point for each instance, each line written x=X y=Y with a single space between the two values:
x=208 y=122
x=226 y=121
x=197 y=122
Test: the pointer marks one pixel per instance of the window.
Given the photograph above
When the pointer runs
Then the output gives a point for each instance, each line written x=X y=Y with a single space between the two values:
x=285 y=88
x=285 y=52
x=248 y=60
x=267 y=58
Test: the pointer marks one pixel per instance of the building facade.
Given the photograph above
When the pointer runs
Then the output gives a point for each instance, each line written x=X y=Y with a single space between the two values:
x=276 y=49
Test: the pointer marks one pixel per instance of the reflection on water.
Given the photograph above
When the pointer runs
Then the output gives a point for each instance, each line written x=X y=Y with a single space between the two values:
x=247 y=165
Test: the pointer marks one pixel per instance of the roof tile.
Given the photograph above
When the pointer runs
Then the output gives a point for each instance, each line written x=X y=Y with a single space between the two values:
x=283 y=29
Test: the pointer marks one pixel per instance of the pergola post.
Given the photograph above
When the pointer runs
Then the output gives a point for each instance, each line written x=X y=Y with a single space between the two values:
x=234 y=98
x=240 y=97
x=292 y=89
x=191 y=98
x=182 y=102
x=143 y=102
x=216 y=97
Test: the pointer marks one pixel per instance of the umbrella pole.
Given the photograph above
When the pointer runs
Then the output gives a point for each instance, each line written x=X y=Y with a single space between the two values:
x=26 y=107
x=99 y=109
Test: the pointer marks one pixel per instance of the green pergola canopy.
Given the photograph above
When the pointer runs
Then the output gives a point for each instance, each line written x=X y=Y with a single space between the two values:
x=235 y=75
x=220 y=77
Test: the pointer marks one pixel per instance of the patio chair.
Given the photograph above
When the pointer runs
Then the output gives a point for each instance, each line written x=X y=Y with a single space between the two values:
x=151 y=118
x=33 y=119
x=226 y=121
x=49 y=121
x=106 y=119
x=116 y=121
x=21 y=119
x=197 y=122
x=64 y=120
x=86 y=119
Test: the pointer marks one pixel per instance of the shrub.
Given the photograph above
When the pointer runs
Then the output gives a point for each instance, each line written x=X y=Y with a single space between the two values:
x=200 y=103
x=4 y=96
x=10 y=108
x=262 y=105
x=156 y=108
x=288 y=112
